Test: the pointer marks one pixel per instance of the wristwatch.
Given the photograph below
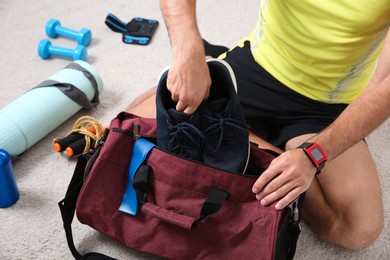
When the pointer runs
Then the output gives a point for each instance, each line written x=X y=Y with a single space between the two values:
x=315 y=154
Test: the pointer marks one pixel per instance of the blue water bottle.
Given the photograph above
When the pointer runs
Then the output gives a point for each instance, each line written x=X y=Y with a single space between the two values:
x=9 y=193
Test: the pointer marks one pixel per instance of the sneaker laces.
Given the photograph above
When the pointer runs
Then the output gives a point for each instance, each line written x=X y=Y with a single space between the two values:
x=176 y=143
x=220 y=123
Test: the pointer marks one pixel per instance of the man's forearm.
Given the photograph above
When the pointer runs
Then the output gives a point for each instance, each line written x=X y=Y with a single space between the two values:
x=180 y=19
x=359 y=119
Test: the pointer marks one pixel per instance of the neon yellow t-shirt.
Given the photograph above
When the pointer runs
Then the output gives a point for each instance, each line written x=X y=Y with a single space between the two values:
x=325 y=50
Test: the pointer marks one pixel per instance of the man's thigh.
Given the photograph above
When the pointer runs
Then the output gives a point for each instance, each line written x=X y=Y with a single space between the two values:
x=347 y=191
x=144 y=105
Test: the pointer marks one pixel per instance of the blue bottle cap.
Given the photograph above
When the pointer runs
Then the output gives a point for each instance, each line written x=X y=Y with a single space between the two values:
x=4 y=157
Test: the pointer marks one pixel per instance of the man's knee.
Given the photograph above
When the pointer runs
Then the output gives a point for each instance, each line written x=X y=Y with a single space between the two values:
x=364 y=235
x=353 y=232
x=353 y=225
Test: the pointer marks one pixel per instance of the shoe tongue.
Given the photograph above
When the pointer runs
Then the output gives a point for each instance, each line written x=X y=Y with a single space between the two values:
x=178 y=116
x=218 y=105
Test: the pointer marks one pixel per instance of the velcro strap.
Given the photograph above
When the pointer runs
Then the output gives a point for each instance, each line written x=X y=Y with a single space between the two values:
x=72 y=91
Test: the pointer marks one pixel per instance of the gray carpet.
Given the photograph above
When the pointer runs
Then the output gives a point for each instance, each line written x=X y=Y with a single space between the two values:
x=32 y=228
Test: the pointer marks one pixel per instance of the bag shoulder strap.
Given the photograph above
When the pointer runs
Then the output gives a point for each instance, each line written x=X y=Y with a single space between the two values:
x=68 y=209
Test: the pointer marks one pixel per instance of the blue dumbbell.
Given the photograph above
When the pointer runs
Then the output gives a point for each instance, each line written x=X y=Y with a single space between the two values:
x=54 y=28
x=46 y=49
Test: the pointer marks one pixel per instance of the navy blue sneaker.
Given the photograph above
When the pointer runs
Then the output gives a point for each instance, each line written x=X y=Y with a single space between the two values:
x=177 y=132
x=226 y=138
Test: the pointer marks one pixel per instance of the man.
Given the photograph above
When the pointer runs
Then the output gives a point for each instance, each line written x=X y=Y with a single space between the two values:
x=306 y=72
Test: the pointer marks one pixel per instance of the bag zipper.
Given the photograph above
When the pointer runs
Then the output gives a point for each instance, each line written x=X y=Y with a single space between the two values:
x=136 y=135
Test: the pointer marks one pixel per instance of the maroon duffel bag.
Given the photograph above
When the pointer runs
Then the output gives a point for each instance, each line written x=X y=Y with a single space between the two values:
x=186 y=210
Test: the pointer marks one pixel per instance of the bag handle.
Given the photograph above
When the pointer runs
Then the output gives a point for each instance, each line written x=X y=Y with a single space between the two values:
x=210 y=206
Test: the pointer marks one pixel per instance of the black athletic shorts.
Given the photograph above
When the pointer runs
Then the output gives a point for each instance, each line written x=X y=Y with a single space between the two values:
x=274 y=111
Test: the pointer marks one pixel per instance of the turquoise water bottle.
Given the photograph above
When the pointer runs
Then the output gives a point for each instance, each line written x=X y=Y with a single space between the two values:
x=9 y=193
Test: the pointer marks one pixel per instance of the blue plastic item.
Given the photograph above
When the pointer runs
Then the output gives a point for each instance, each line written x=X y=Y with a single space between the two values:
x=141 y=149
x=46 y=50
x=132 y=39
x=39 y=111
x=54 y=28
x=9 y=193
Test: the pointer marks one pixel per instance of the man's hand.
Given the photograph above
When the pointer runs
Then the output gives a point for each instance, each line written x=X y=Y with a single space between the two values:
x=189 y=83
x=286 y=178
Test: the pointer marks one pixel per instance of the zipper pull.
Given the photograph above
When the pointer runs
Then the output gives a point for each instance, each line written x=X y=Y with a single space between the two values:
x=104 y=136
x=100 y=141
x=136 y=133
x=294 y=211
